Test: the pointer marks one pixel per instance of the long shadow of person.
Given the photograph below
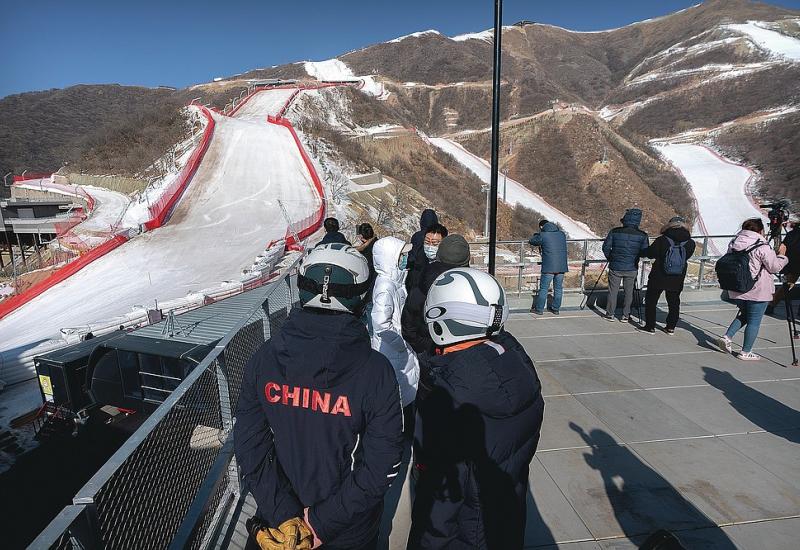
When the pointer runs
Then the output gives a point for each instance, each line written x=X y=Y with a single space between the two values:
x=642 y=500
x=463 y=497
x=760 y=409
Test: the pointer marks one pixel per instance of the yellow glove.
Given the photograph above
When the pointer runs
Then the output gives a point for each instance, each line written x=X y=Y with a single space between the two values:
x=294 y=534
x=266 y=541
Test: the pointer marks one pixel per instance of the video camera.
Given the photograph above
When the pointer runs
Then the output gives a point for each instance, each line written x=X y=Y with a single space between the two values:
x=778 y=212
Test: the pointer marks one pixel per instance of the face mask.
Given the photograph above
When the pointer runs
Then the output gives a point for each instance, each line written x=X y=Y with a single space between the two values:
x=402 y=263
x=430 y=250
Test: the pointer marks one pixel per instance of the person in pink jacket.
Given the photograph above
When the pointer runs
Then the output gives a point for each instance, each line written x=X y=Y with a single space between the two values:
x=764 y=263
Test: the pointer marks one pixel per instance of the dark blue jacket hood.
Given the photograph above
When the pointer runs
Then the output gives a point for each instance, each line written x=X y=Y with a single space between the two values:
x=632 y=217
x=549 y=227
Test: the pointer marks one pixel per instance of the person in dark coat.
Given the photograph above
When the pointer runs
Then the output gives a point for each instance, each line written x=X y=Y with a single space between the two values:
x=452 y=252
x=478 y=422
x=332 y=234
x=430 y=243
x=674 y=233
x=318 y=432
x=622 y=248
x=367 y=236
x=791 y=273
x=553 y=243
x=416 y=258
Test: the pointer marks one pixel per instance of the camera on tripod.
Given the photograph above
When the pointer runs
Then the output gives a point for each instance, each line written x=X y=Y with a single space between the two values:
x=778 y=212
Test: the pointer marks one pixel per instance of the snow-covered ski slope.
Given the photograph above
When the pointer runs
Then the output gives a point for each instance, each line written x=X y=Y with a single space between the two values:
x=263 y=103
x=720 y=188
x=515 y=192
x=225 y=218
x=777 y=44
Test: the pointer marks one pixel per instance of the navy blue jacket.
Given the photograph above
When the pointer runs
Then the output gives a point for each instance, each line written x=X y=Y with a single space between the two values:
x=319 y=425
x=624 y=245
x=417 y=260
x=479 y=416
x=334 y=237
x=554 y=248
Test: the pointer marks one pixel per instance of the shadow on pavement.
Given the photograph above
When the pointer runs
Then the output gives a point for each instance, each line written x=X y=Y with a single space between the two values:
x=643 y=501
x=746 y=399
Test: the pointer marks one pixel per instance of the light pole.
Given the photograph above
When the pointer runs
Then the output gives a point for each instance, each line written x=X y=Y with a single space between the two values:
x=498 y=36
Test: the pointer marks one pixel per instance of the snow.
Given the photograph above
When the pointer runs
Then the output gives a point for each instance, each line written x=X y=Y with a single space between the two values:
x=774 y=42
x=486 y=36
x=514 y=192
x=261 y=104
x=415 y=35
x=720 y=188
x=109 y=206
x=226 y=217
x=335 y=69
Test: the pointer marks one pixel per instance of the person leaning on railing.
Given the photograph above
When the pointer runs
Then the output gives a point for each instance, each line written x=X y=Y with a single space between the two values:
x=670 y=250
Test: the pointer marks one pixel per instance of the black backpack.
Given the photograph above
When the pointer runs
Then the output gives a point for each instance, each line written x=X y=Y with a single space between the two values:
x=733 y=270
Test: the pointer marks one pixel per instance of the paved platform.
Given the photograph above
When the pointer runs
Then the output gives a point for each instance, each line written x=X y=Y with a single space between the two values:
x=643 y=432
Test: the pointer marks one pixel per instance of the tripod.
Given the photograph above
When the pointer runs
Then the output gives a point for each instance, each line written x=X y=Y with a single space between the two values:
x=790 y=318
x=586 y=297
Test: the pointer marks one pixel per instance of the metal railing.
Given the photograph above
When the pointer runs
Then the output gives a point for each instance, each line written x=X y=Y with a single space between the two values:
x=174 y=480
x=518 y=264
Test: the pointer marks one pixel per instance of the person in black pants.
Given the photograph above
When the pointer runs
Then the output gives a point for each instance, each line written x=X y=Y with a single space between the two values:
x=667 y=278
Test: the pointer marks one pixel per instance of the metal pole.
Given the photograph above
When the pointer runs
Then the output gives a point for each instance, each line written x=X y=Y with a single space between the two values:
x=498 y=35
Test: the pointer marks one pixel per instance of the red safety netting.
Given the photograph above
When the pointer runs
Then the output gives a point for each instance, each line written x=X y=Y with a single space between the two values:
x=161 y=210
x=32 y=176
x=312 y=223
x=9 y=305
x=88 y=253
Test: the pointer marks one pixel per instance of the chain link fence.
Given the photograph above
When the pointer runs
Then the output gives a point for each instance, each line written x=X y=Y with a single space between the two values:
x=171 y=484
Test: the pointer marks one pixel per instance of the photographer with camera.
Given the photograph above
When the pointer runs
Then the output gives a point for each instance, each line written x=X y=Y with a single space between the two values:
x=791 y=248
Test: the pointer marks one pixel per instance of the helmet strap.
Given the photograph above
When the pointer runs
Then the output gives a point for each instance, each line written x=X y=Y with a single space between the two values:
x=497 y=320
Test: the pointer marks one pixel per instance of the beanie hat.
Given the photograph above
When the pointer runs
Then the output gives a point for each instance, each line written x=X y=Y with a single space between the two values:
x=454 y=250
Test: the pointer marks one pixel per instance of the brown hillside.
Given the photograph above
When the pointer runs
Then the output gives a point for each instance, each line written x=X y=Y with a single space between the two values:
x=559 y=156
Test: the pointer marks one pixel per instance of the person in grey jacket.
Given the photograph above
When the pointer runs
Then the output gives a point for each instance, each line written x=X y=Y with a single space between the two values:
x=553 y=243
x=622 y=248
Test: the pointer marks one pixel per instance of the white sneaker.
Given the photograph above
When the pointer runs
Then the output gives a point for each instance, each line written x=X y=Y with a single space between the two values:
x=749 y=356
x=724 y=344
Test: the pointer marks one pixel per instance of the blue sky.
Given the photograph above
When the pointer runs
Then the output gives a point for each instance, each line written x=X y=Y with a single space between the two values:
x=58 y=43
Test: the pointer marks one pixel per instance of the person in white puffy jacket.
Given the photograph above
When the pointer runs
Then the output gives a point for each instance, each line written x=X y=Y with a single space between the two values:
x=390 y=256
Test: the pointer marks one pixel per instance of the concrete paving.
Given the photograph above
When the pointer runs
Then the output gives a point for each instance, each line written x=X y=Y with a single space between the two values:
x=643 y=432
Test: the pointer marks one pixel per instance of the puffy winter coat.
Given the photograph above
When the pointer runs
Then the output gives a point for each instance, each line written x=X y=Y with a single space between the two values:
x=412 y=320
x=658 y=251
x=388 y=298
x=477 y=429
x=417 y=260
x=554 y=248
x=764 y=262
x=625 y=244
x=792 y=242
x=319 y=425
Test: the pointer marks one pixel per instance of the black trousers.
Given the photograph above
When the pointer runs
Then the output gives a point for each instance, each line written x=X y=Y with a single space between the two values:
x=651 y=302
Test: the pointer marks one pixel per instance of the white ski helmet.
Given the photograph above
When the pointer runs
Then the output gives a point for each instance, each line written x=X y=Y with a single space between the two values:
x=335 y=277
x=464 y=304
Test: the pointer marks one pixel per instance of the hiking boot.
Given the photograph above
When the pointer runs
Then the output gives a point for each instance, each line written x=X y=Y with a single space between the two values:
x=724 y=344
x=748 y=356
